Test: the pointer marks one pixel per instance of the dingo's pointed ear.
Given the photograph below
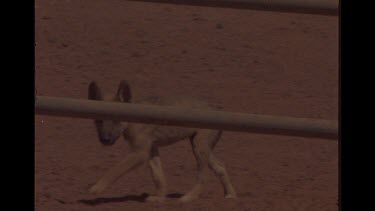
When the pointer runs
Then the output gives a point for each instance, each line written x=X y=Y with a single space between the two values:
x=124 y=92
x=94 y=91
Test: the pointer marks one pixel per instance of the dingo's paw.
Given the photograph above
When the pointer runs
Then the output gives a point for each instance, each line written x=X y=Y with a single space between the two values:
x=186 y=199
x=96 y=189
x=231 y=196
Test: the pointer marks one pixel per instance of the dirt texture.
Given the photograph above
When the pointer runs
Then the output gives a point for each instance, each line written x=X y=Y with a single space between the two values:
x=243 y=60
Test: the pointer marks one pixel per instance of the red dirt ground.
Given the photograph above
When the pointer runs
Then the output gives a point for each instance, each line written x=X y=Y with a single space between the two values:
x=244 y=60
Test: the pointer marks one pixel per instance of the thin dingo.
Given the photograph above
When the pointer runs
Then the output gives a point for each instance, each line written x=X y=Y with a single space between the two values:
x=145 y=139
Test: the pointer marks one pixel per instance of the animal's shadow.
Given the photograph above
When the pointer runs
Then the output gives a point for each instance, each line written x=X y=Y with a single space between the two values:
x=138 y=198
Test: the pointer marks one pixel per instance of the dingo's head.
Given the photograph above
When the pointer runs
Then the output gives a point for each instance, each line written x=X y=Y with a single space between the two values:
x=109 y=130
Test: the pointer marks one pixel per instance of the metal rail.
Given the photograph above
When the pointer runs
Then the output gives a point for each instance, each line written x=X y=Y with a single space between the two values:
x=150 y=114
x=322 y=7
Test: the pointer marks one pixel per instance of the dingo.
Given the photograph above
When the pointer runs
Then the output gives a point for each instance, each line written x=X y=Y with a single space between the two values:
x=145 y=139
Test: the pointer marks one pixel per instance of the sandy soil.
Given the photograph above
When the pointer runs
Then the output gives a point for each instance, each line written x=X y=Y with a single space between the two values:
x=246 y=61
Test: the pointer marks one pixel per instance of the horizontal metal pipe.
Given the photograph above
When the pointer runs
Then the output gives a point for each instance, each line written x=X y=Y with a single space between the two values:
x=324 y=7
x=150 y=114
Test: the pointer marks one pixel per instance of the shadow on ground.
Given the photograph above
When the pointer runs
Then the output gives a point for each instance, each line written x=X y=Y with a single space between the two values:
x=138 y=198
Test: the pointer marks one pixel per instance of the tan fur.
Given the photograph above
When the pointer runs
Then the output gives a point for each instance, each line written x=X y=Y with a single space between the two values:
x=145 y=140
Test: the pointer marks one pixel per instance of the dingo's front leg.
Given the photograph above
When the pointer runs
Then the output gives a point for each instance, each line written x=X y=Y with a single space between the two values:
x=158 y=176
x=132 y=161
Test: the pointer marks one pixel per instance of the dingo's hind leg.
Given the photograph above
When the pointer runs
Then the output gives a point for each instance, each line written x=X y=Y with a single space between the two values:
x=221 y=172
x=201 y=148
